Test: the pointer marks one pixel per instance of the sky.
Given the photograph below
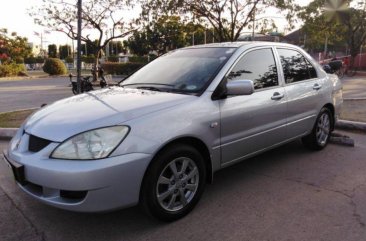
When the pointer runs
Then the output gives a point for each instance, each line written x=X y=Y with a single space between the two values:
x=14 y=16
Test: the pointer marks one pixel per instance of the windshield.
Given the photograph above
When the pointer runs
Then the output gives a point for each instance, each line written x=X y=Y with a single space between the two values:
x=187 y=71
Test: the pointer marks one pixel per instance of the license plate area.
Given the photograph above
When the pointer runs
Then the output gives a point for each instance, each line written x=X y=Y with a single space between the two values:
x=17 y=169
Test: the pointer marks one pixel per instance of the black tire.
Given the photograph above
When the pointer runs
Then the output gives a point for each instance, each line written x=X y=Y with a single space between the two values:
x=320 y=134
x=75 y=91
x=158 y=182
x=340 y=73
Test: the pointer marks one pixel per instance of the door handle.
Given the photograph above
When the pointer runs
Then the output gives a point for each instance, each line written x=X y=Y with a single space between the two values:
x=277 y=96
x=316 y=86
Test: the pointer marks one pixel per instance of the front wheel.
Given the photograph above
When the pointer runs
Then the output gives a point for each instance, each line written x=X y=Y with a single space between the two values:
x=319 y=136
x=173 y=183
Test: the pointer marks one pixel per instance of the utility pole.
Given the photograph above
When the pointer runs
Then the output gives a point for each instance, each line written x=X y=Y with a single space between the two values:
x=253 y=23
x=205 y=32
x=78 y=63
x=325 y=47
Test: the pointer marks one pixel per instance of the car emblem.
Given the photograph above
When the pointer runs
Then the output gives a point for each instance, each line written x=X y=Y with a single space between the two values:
x=17 y=145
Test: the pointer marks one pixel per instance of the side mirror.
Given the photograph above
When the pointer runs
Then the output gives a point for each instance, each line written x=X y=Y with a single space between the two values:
x=240 y=87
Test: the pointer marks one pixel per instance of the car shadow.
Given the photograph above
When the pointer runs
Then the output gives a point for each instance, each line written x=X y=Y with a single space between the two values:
x=133 y=224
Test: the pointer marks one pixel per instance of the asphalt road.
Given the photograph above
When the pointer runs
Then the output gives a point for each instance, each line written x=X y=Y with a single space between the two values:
x=289 y=193
x=31 y=93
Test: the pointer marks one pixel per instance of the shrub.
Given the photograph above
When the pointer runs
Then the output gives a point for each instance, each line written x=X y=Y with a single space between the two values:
x=53 y=66
x=11 y=69
x=19 y=60
x=30 y=60
x=113 y=59
x=90 y=59
x=142 y=59
x=138 y=59
x=69 y=60
x=39 y=60
x=121 y=68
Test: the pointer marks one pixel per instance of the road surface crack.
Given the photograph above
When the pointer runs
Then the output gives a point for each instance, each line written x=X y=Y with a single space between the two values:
x=349 y=194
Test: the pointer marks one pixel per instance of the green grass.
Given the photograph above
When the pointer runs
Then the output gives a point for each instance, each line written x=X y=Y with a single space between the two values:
x=14 y=119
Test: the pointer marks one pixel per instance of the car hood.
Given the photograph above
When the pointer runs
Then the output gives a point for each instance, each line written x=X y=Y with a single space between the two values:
x=107 y=107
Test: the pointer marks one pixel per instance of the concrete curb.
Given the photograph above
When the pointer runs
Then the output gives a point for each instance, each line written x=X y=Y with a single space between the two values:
x=351 y=125
x=8 y=133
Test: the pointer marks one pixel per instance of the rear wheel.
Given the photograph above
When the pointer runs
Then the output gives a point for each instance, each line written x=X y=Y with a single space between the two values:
x=319 y=136
x=174 y=183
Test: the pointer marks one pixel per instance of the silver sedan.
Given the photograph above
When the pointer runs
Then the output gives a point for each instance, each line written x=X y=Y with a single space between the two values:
x=158 y=137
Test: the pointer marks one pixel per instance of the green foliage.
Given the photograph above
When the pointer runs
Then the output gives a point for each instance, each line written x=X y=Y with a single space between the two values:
x=53 y=66
x=69 y=60
x=19 y=60
x=52 y=51
x=90 y=59
x=162 y=35
x=115 y=47
x=121 y=68
x=39 y=60
x=30 y=60
x=113 y=59
x=340 y=24
x=138 y=59
x=227 y=18
x=11 y=69
x=13 y=46
x=65 y=51
x=90 y=48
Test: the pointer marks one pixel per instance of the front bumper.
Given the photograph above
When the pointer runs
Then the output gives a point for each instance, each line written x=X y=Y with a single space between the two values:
x=85 y=186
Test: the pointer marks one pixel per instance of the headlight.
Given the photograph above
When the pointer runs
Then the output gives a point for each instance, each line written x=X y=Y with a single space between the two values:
x=91 y=145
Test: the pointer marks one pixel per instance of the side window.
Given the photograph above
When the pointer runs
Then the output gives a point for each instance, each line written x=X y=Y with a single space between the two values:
x=258 y=66
x=311 y=69
x=295 y=66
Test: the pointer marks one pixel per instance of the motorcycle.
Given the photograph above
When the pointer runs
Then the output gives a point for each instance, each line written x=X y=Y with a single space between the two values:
x=85 y=85
x=334 y=67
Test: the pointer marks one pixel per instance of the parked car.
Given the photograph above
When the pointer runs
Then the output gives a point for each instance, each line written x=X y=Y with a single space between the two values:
x=159 y=137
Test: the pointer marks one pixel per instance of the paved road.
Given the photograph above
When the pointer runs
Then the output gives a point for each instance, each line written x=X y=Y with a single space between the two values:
x=30 y=93
x=289 y=193
x=354 y=88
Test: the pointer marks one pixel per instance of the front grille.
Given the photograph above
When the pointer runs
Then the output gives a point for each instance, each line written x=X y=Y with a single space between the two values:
x=36 y=143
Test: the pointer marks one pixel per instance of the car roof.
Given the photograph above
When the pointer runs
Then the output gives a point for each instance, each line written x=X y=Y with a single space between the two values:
x=239 y=44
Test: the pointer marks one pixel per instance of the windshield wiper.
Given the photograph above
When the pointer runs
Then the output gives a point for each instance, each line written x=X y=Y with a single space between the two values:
x=149 y=88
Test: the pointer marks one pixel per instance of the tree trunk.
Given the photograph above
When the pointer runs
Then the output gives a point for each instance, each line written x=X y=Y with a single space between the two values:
x=96 y=63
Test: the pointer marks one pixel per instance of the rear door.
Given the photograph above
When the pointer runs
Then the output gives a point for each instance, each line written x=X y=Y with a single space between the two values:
x=303 y=90
x=251 y=123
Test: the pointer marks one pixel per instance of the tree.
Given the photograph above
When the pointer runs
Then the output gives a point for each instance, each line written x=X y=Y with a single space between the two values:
x=115 y=47
x=98 y=18
x=52 y=51
x=13 y=48
x=64 y=51
x=340 y=24
x=90 y=48
x=227 y=17
x=165 y=34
